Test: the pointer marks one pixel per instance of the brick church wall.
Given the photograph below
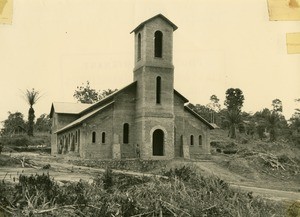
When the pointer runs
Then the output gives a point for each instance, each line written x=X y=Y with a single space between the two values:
x=186 y=125
x=124 y=112
x=58 y=122
x=101 y=122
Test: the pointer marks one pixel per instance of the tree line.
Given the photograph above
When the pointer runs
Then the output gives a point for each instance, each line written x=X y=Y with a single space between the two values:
x=16 y=124
x=265 y=124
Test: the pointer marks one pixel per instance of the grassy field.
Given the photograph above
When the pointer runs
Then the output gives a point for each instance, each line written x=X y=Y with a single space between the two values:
x=183 y=187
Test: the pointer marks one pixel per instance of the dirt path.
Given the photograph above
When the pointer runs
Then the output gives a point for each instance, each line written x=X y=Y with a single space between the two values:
x=60 y=171
x=249 y=185
x=64 y=171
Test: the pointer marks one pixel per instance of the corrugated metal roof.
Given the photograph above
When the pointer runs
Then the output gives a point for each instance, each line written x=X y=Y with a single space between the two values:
x=84 y=117
x=69 y=108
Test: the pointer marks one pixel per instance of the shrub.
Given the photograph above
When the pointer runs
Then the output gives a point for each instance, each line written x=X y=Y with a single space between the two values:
x=36 y=190
x=185 y=193
x=107 y=178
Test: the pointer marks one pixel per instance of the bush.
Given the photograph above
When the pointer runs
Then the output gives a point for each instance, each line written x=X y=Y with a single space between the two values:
x=25 y=141
x=20 y=140
x=36 y=190
x=185 y=193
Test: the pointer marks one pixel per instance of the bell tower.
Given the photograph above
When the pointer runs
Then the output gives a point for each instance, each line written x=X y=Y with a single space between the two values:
x=154 y=73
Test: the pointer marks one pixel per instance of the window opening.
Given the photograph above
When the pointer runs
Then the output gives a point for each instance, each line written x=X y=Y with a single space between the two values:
x=103 y=137
x=200 y=140
x=139 y=54
x=192 y=140
x=126 y=133
x=158 y=37
x=158 y=90
x=93 y=137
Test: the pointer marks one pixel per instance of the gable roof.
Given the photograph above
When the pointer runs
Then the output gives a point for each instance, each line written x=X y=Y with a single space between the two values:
x=83 y=108
x=210 y=126
x=107 y=99
x=83 y=118
x=158 y=15
x=185 y=100
x=67 y=108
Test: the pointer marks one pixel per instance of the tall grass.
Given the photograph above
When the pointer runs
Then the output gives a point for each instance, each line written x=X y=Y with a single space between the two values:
x=183 y=192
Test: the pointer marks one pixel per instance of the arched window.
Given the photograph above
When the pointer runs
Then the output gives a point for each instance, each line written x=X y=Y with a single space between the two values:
x=93 y=137
x=192 y=140
x=103 y=137
x=158 y=43
x=200 y=140
x=158 y=90
x=139 y=48
x=126 y=133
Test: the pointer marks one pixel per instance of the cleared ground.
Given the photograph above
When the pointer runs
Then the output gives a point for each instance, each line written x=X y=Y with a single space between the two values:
x=61 y=169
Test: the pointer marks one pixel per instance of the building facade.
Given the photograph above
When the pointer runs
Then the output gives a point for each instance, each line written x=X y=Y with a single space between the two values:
x=146 y=119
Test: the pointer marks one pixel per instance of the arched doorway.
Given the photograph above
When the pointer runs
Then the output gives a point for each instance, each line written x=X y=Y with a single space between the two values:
x=158 y=143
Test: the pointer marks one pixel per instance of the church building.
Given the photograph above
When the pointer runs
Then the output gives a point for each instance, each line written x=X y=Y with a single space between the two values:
x=147 y=119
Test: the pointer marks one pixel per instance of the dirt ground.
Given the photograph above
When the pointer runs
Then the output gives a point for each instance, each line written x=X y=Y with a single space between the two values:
x=62 y=170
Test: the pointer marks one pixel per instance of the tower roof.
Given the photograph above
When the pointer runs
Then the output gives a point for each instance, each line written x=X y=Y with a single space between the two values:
x=158 y=15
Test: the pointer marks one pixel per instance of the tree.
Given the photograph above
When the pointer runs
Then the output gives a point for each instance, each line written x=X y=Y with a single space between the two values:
x=277 y=105
x=14 y=123
x=295 y=119
x=43 y=123
x=105 y=93
x=275 y=119
x=31 y=97
x=202 y=110
x=86 y=94
x=260 y=118
x=234 y=99
x=215 y=107
x=297 y=109
x=234 y=102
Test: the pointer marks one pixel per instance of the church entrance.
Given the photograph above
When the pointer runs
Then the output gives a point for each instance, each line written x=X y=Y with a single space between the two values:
x=158 y=143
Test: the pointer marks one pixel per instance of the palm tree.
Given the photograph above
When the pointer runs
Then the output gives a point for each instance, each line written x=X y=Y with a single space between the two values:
x=272 y=124
x=31 y=98
x=233 y=118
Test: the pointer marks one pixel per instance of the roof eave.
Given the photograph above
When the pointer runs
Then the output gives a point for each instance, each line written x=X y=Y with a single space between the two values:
x=158 y=15
x=70 y=126
x=211 y=127
x=181 y=96
x=109 y=97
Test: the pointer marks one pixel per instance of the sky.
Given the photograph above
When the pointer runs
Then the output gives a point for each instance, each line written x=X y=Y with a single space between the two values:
x=56 y=45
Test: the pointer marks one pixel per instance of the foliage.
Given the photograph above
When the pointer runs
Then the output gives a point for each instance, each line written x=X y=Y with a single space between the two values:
x=202 y=110
x=18 y=140
x=234 y=118
x=43 y=123
x=34 y=190
x=234 y=102
x=25 y=140
x=137 y=165
x=86 y=94
x=184 y=193
x=31 y=97
x=277 y=105
x=214 y=106
x=234 y=99
x=8 y=161
x=13 y=124
x=107 y=179
x=184 y=173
